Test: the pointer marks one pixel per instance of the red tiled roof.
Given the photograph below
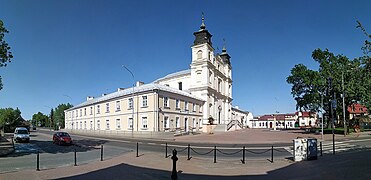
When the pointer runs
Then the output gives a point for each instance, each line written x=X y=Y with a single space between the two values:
x=305 y=114
x=278 y=117
x=357 y=109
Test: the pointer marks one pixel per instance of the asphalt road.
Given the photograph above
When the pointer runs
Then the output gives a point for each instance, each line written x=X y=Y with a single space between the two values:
x=52 y=155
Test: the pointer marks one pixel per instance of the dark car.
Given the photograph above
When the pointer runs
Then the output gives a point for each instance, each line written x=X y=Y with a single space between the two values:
x=62 y=138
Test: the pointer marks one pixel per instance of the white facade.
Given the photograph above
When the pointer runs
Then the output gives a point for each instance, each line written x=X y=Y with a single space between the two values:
x=183 y=100
x=209 y=78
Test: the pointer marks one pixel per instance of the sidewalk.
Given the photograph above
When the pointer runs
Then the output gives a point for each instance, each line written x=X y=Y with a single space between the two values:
x=6 y=146
x=262 y=136
x=350 y=165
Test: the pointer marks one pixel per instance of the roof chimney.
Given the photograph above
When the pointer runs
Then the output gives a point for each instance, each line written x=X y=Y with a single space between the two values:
x=139 y=83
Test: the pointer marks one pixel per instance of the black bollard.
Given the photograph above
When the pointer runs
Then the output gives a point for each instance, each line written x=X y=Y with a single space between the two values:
x=38 y=161
x=320 y=145
x=243 y=155
x=75 y=158
x=137 y=149
x=189 y=152
x=272 y=155
x=174 y=174
x=101 y=152
x=166 y=150
x=214 y=154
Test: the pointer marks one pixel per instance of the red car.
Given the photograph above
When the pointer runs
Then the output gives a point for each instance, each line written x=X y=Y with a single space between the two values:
x=62 y=138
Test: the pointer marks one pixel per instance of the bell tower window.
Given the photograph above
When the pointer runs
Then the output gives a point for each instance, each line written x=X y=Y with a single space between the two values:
x=199 y=54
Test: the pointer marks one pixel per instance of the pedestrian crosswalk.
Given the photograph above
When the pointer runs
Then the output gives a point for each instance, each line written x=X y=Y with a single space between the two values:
x=327 y=148
x=339 y=147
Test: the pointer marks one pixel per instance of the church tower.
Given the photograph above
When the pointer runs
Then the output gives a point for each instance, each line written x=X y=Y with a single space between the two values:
x=211 y=77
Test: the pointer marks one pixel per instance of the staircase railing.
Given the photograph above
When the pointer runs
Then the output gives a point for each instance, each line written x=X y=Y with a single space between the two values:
x=234 y=123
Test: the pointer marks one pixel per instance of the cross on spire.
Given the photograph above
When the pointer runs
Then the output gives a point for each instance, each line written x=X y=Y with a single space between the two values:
x=203 y=26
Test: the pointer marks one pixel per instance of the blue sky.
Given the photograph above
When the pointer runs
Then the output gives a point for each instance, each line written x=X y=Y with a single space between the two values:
x=67 y=50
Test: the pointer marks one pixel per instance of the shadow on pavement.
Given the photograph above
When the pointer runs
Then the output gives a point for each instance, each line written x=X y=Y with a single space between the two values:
x=352 y=165
x=34 y=146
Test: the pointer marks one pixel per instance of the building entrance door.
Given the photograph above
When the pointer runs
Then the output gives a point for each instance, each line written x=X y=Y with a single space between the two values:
x=270 y=125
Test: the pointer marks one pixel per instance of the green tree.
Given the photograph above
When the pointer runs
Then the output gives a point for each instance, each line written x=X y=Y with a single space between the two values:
x=39 y=119
x=5 y=53
x=366 y=64
x=308 y=86
x=58 y=116
x=367 y=46
x=10 y=118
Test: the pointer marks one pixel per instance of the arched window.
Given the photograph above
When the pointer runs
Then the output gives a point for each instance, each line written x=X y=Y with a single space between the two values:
x=199 y=54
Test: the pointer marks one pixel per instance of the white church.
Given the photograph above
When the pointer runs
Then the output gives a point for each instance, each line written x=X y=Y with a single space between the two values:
x=183 y=101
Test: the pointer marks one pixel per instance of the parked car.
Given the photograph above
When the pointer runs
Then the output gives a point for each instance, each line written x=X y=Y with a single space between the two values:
x=21 y=134
x=62 y=138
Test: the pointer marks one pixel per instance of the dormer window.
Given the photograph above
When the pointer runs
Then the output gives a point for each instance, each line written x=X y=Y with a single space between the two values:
x=180 y=85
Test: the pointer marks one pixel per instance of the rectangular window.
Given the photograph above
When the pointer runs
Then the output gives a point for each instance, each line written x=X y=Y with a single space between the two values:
x=77 y=113
x=107 y=107
x=130 y=123
x=210 y=77
x=118 y=108
x=130 y=103
x=80 y=112
x=80 y=124
x=177 y=104
x=91 y=125
x=166 y=122
x=107 y=124
x=194 y=123
x=98 y=109
x=84 y=124
x=144 y=101
x=177 y=123
x=98 y=124
x=200 y=108
x=186 y=105
x=193 y=107
x=91 y=110
x=166 y=102
x=144 y=123
x=118 y=124
x=180 y=85
x=199 y=123
x=84 y=111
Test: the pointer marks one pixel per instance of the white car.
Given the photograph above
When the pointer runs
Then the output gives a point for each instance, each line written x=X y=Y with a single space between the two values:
x=21 y=134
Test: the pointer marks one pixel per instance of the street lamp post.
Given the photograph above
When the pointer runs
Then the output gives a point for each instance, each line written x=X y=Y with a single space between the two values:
x=342 y=82
x=132 y=104
x=220 y=109
x=50 y=121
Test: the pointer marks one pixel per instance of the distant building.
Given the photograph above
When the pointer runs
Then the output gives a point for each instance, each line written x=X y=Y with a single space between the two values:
x=306 y=119
x=357 y=110
x=267 y=121
x=288 y=121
